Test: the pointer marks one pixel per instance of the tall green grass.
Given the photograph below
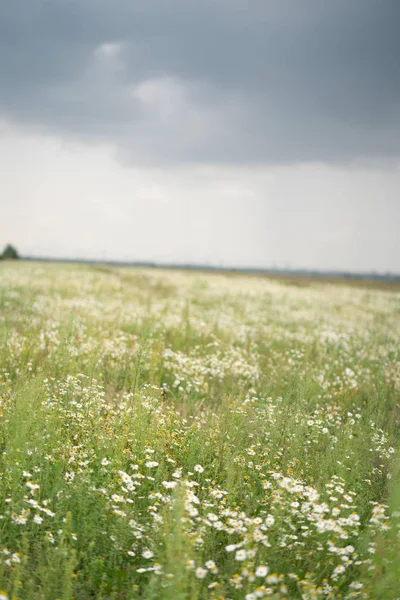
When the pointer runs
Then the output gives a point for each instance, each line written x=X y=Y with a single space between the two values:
x=151 y=421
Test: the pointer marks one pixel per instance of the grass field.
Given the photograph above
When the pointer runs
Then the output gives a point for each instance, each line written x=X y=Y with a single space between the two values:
x=180 y=435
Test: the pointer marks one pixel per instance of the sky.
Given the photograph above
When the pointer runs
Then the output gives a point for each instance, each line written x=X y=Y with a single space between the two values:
x=260 y=133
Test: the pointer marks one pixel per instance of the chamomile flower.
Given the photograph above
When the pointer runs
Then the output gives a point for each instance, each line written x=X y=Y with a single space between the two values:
x=37 y=519
x=151 y=464
x=170 y=485
x=201 y=573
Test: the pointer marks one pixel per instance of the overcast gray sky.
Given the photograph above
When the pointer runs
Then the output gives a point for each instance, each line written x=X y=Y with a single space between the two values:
x=234 y=132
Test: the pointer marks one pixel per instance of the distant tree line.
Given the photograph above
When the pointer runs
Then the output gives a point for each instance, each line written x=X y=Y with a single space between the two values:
x=9 y=253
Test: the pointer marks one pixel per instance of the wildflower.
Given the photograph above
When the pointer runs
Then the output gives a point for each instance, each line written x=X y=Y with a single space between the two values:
x=199 y=469
x=37 y=519
x=125 y=477
x=200 y=573
x=20 y=519
x=356 y=585
x=169 y=484
x=211 y=566
x=151 y=464
x=283 y=589
x=32 y=486
x=241 y=555
x=147 y=554
x=117 y=498
x=270 y=520
x=262 y=571
x=236 y=580
x=190 y=564
x=105 y=462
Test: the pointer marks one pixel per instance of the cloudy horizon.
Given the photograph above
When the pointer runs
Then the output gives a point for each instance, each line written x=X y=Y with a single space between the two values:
x=261 y=133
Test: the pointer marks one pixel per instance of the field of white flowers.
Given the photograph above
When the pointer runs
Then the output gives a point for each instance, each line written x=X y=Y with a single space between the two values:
x=177 y=435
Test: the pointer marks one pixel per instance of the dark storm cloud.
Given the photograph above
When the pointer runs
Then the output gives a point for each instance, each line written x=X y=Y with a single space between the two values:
x=228 y=81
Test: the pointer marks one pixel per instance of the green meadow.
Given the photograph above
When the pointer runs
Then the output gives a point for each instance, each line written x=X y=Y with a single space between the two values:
x=184 y=435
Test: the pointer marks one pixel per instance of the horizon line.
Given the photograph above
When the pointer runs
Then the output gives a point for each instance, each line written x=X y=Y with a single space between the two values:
x=300 y=271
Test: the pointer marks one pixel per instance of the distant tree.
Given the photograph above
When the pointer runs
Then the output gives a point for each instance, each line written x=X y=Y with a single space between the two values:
x=9 y=252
